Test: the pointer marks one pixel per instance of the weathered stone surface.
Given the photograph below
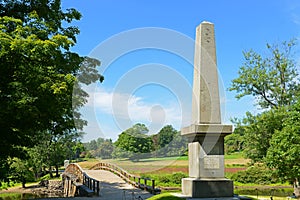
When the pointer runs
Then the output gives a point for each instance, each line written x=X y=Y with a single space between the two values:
x=206 y=100
x=202 y=165
x=215 y=129
x=206 y=134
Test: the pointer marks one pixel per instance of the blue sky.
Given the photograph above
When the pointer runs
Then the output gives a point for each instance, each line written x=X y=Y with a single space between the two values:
x=146 y=50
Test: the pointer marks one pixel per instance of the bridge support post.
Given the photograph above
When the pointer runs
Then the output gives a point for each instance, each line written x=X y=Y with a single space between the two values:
x=98 y=188
x=153 y=186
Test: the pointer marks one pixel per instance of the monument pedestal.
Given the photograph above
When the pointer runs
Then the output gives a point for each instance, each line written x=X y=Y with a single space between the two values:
x=206 y=162
x=207 y=188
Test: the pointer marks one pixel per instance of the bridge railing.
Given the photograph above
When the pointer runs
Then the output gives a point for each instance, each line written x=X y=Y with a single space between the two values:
x=74 y=177
x=137 y=181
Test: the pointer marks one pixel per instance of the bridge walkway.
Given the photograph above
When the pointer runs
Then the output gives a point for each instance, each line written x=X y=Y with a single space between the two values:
x=114 y=187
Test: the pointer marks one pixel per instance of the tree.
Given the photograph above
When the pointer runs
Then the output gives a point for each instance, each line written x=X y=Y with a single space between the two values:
x=169 y=142
x=284 y=152
x=235 y=141
x=19 y=171
x=165 y=135
x=177 y=147
x=105 y=149
x=272 y=137
x=135 y=141
x=52 y=150
x=257 y=132
x=41 y=89
x=271 y=80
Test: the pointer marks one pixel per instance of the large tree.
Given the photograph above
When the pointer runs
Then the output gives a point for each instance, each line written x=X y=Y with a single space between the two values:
x=272 y=136
x=40 y=76
x=271 y=79
x=169 y=142
x=284 y=152
x=255 y=132
x=135 y=141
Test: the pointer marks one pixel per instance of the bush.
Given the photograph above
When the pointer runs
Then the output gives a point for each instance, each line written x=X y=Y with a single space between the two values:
x=256 y=174
x=169 y=180
x=176 y=177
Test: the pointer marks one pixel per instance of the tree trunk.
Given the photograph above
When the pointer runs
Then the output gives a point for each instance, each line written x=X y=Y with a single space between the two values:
x=296 y=188
x=50 y=172
x=56 y=171
x=23 y=183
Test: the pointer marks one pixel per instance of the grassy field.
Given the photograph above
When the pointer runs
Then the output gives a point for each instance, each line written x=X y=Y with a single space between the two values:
x=233 y=163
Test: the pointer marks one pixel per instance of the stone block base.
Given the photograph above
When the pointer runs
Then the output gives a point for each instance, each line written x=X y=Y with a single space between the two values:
x=207 y=188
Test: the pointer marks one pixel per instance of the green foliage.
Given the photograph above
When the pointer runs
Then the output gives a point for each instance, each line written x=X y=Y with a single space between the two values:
x=41 y=90
x=258 y=131
x=89 y=155
x=235 y=141
x=169 y=142
x=102 y=148
x=164 y=196
x=165 y=135
x=105 y=149
x=284 y=152
x=135 y=141
x=265 y=193
x=272 y=80
x=235 y=155
x=255 y=174
x=20 y=172
x=271 y=137
x=168 y=180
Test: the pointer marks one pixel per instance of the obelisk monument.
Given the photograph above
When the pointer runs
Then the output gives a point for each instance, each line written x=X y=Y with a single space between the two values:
x=206 y=134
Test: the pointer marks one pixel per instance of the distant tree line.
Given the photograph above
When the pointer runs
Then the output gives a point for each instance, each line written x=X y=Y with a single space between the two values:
x=134 y=143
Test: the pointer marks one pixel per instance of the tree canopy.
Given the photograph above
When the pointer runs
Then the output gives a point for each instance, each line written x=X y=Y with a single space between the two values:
x=272 y=136
x=284 y=152
x=40 y=85
x=272 y=80
x=135 y=140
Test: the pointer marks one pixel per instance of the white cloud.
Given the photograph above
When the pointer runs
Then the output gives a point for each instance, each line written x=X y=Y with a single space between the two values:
x=127 y=109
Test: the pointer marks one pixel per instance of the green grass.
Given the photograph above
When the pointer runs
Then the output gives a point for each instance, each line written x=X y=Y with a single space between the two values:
x=236 y=155
x=267 y=197
x=13 y=184
x=235 y=166
x=10 y=195
x=165 y=196
x=164 y=158
x=166 y=180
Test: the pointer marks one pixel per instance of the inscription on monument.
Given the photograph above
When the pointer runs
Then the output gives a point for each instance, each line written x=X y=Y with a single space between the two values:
x=211 y=162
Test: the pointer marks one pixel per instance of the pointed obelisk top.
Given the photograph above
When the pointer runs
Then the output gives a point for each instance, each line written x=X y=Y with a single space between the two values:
x=206 y=22
x=206 y=100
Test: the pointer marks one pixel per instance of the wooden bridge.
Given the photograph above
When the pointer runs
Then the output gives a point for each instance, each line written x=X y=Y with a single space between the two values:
x=106 y=180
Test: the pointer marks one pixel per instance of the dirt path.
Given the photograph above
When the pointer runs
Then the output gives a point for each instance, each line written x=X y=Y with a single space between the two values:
x=113 y=187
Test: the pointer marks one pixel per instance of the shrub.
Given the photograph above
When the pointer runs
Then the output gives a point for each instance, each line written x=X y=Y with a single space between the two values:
x=256 y=174
x=176 y=177
x=169 y=180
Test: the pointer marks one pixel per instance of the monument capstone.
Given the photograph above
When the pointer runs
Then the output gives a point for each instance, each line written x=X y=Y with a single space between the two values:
x=206 y=133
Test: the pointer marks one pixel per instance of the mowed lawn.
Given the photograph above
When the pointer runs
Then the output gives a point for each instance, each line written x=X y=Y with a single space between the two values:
x=233 y=163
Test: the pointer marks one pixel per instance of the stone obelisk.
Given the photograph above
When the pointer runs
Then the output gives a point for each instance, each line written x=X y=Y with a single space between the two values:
x=206 y=134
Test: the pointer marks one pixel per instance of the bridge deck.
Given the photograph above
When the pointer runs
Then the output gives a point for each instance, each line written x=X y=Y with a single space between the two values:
x=113 y=187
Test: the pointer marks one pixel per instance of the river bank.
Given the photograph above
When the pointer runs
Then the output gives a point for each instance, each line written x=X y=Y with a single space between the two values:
x=51 y=188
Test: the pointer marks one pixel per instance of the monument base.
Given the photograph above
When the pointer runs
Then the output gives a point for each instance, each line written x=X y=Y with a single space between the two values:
x=207 y=188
